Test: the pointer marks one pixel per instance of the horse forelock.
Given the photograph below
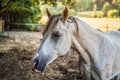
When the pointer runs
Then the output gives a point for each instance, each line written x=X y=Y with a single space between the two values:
x=52 y=20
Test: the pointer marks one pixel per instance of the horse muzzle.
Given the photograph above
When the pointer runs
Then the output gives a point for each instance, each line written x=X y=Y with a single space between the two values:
x=39 y=65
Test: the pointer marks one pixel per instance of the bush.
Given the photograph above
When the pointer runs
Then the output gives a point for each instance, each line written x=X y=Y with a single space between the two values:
x=113 y=13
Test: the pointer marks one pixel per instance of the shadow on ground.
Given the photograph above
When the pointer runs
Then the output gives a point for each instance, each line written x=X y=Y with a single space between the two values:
x=15 y=62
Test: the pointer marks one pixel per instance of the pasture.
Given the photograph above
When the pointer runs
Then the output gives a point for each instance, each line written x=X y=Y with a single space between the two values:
x=16 y=53
x=103 y=24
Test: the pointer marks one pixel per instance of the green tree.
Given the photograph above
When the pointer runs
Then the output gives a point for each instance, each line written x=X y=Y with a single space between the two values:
x=30 y=5
x=4 y=5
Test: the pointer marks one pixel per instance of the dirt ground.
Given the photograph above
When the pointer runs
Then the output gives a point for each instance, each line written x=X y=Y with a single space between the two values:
x=15 y=60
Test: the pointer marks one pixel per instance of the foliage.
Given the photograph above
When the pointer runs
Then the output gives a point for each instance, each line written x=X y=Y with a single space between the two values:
x=28 y=11
x=100 y=3
x=21 y=6
x=96 y=13
x=106 y=8
x=113 y=13
x=84 y=5
x=69 y=3
x=23 y=11
x=116 y=5
x=112 y=9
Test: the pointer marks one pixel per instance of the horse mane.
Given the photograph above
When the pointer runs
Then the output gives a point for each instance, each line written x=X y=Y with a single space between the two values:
x=72 y=19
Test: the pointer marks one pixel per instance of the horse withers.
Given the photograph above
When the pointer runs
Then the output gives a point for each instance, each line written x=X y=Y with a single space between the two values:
x=98 y=53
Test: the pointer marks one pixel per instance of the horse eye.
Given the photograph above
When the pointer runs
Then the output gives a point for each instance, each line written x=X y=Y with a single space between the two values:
x=56 y=34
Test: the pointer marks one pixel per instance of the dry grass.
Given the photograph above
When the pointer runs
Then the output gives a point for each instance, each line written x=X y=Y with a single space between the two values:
x=103 y=24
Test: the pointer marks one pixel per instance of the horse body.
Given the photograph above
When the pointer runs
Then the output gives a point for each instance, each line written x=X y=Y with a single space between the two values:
x=98 y=52
x=114 y=37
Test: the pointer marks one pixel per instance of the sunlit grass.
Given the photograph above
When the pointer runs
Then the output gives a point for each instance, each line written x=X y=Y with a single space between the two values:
x=103 y=24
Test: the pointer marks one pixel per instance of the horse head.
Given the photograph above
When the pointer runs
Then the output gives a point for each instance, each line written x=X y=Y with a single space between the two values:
x=56 y=41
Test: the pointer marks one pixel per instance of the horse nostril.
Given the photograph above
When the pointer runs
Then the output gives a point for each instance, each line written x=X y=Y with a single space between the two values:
x=34 y=64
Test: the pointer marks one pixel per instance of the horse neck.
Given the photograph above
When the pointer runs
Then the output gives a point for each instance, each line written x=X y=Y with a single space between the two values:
x=86 y=34
x=86 y=40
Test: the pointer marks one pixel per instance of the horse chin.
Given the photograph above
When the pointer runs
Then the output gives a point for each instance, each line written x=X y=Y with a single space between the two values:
x=49 y=63
x=52 y=60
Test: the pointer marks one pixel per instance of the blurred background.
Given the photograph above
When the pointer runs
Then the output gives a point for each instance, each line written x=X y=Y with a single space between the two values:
x=21 y=26
x=30 y=14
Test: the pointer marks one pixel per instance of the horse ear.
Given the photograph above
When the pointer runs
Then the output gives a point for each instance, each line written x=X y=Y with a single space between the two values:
x=65 y=14
x=48 y=13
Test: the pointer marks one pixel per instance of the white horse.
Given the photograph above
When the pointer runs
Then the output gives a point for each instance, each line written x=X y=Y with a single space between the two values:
x=99 y=53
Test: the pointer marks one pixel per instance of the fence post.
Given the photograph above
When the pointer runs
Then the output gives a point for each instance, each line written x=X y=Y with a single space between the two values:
x=107 y=27
x=1 y=25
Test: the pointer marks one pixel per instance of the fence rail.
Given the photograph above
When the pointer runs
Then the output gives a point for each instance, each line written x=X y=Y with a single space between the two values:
x=27 y=24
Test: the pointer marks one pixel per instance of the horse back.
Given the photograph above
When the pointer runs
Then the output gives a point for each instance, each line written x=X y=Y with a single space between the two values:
x=114 y=38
